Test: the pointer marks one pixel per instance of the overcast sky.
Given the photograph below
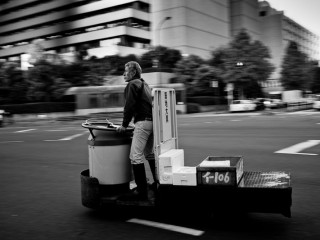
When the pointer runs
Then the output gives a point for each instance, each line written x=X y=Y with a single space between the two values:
x=304 y=12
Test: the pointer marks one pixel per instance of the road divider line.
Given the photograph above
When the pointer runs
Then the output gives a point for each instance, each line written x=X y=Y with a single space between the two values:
x=11 y=141
x=73 y=136
x=300 y=153
x=26 y=130
x=297 y=148
x=67 y=138
x=170 y=227
x=56 y=130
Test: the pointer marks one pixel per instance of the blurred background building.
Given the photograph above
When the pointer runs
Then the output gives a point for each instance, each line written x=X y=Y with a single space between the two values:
x=109 y=27
x=103 y=27
x=195 y=27
x=276 y=32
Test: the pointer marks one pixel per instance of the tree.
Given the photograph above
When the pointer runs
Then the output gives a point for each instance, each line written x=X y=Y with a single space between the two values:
x=95 y=71
x=36 y=51
x=243 y=62
x=114 y=64
x=59 y=87
x=294 y=73
x=185 y=71
x=217 y=59
x=203 y=78
x=170 y=57
x=167 y=57
x=148 y=59
x=74 y=73
x=13 y=84
x=40 y=80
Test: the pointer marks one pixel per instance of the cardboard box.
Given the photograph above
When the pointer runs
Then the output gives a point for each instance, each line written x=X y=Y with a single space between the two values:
x=169 y=162
x=220 y=175
x=185 y=176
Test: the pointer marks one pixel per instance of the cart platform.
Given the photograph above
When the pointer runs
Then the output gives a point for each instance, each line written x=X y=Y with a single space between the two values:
x=268 y=192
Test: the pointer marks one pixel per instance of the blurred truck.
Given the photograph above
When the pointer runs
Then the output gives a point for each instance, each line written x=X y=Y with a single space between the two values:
x=292 y=96
x=295 y=100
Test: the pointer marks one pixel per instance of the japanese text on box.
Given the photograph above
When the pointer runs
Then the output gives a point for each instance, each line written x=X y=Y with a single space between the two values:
x=166 y=120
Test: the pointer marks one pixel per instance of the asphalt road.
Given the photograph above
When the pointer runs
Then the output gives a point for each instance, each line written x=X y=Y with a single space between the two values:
x=40 y=181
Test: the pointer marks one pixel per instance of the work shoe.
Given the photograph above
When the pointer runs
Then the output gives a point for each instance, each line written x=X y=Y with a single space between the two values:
x=154 y=186
x=141 y=191
x=135 y=195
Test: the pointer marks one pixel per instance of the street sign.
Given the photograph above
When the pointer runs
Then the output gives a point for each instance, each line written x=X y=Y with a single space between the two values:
x=229 y=87
x=214 y=84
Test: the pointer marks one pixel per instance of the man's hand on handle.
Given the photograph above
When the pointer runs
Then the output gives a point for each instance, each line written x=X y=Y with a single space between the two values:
x=121 y=129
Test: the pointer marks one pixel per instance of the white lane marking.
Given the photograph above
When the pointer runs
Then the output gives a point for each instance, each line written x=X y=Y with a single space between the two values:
x=297 y=148
x=308 y=154
x=207 y=122
x=184 y=230
x=26 y=130
x=235 y=120
x=56 y=130
x=223 y=115
x=11 y=141
x=67 y=138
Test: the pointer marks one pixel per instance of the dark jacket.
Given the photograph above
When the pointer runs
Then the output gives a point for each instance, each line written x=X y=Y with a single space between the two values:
x=138 y=102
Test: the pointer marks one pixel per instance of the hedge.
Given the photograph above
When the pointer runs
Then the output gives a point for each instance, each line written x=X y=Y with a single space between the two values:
x=43 y=107
x=193 y=108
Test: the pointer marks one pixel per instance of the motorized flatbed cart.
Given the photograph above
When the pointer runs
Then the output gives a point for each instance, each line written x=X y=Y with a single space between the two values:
x=218 y=183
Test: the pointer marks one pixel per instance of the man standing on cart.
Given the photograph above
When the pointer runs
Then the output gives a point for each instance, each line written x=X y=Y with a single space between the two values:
x=138 y=106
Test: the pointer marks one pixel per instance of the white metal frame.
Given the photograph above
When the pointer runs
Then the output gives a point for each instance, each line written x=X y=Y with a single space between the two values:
x=164 y=122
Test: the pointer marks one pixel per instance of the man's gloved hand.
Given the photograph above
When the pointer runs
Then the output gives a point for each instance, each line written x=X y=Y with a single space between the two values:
x=121 y=129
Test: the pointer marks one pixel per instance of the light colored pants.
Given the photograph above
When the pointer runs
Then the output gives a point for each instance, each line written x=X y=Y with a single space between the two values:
x=142 y=142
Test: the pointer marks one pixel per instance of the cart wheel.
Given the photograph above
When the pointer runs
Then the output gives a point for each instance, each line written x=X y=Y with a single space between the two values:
x=90 y=192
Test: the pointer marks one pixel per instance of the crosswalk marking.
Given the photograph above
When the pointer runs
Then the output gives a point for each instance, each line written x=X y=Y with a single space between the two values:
x=297 y=148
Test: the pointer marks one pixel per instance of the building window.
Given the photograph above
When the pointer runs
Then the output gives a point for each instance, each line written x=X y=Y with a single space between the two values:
x=110 y=42
x=93 y=100
x=113 y=100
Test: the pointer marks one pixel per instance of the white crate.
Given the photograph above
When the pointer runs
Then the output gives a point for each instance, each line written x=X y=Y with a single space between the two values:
x=169 y=162
x=185 y=176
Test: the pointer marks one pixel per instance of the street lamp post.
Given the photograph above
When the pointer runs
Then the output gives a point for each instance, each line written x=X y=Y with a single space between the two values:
x=230 y=86
x=230 y=92
x=159 y=44
x=240 y=87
